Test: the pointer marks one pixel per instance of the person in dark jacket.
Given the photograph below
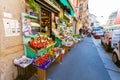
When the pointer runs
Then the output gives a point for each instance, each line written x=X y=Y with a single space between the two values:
x=80 y=31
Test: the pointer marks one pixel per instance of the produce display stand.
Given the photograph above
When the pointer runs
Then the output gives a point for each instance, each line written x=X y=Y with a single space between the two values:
x=34 y=54
x=67 y=48
x=41 y=49
x=38 y=46
x=66 y=36
x=42 y=70
x=25 y=73
x=42 y=73
x=61 y=42
x=24 y=68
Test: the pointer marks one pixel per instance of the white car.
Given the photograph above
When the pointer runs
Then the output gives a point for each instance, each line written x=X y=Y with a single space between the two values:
x=115 y=37
x=116 y=53
x=106 y=40
x=110 y=38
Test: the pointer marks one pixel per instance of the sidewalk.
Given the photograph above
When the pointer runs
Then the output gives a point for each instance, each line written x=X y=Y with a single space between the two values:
x=81 y=63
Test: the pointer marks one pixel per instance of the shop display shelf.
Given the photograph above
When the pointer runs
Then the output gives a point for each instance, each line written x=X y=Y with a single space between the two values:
x=32 y=53
x=31 y=17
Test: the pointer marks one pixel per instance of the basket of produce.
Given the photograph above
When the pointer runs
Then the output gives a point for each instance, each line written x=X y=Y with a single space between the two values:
x=42 y=62
x=41 y=52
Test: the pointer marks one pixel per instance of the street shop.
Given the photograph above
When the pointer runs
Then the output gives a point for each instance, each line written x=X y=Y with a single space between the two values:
x=41 y=50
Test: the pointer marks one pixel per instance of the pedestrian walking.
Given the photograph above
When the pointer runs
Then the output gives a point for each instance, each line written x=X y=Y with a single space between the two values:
x=80 y=31
x=83 y=34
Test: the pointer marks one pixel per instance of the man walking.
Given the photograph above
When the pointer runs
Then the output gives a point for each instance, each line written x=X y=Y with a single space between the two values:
x=80 y=31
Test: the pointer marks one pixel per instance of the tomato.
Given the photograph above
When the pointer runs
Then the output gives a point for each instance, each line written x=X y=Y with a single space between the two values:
x=39 y=45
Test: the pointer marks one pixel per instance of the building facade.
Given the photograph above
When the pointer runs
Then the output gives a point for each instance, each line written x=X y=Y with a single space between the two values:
x=81 y=14
x=11 y=44
x=111 y=19
x=93 y=21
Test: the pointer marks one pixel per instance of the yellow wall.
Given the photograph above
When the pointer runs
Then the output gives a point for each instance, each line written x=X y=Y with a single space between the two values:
x=79 y=25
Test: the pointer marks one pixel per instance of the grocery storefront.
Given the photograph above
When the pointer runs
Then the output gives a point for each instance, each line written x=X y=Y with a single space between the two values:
x=49 y=9
x=26 y=46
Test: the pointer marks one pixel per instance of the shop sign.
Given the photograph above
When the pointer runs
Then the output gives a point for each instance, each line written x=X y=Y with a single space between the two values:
x=11 y=27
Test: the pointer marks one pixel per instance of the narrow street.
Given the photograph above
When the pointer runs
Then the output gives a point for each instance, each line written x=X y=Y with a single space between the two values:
x=35 y=34
x=83 y=62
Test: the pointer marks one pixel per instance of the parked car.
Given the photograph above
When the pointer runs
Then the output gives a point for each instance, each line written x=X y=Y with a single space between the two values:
x=116 y=53
x=110 y=38
x=106 y=40
x=115 y=37
x=96 y=29
x=98 y=34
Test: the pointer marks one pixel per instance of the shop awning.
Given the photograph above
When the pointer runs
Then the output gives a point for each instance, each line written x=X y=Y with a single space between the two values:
x=66 y=3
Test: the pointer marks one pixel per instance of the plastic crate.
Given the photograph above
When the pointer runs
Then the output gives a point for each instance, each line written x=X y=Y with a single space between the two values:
x=30 y=53
x=44 y=66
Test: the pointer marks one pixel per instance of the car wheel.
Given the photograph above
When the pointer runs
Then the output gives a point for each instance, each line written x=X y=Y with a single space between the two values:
x=115 y=58
x=108 y=48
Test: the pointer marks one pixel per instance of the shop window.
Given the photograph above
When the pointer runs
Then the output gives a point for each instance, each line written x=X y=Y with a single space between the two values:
x=45 y=21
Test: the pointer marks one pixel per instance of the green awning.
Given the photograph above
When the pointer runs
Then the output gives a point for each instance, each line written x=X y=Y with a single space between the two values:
x=66 y=3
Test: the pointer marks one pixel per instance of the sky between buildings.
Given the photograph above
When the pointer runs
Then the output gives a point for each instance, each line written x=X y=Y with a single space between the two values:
x=103 y=8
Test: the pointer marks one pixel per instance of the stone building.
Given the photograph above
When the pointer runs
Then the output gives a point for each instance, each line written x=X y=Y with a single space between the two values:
x=83 y=14
x=111 y=19
x=11 y=46
x=93 y=21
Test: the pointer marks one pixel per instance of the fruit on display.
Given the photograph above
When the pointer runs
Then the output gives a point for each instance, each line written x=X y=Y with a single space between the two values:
x=51 y=41
x=34 y=44
x=41 y=60
x=55 y=50
x=51 y=55
x=45 y=57
x=63 y=36
x=47 y=42
x=40 y=43
x=40 y=39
